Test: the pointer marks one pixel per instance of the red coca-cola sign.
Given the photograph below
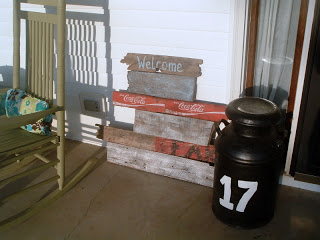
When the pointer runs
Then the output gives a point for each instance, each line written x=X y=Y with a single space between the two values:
x=141 y=102
x=134 y=99
x=191 y=107
x=199 y=110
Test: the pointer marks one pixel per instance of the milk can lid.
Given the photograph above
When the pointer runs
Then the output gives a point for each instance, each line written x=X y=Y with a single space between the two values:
x=253 y=111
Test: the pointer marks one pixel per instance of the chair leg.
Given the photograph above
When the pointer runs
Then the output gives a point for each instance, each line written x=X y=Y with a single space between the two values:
x=60 y=150
x=61 y=164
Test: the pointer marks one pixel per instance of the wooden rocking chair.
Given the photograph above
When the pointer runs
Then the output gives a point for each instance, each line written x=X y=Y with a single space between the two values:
x=16 y=144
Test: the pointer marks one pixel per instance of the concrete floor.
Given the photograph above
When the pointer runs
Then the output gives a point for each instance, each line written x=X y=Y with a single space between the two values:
x=115 y=202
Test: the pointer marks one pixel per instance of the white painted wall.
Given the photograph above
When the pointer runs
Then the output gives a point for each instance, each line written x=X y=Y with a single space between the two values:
x=107 y=32
x=194 y=28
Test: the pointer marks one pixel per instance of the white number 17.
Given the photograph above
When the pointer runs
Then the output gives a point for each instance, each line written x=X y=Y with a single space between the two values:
x=225 y=201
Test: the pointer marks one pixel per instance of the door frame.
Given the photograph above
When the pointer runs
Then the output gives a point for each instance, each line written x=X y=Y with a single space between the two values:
x=304 y=97
x=299 y=65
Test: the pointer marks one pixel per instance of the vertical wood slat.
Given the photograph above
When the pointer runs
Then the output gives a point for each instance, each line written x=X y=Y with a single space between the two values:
x=36 y=60
x=27 y=55
x=45 y=61
x=33 y=56
x=16 y=44
x=40 y=61
x=41 y=85
x=50 y=76
x=43 y=89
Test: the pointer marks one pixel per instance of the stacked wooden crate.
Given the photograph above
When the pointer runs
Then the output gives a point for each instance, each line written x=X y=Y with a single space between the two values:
x=171 y=129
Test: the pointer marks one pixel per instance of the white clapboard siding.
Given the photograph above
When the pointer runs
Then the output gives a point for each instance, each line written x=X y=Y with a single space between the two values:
x=199 y=29
x=211 y=93
x=120 y=82
x=84 y=63
x=87 y=78
x=82 y=31
x=218 y=22
x=161 y=164
x=87 y=51
x=215 y=41
x=213 y=77
x=169 y=5
x=86 y=48
x=125 y=115
x=84 y=8
x=79 y=87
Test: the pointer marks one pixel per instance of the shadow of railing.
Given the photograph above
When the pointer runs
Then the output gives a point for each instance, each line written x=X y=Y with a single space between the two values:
x=88 y=66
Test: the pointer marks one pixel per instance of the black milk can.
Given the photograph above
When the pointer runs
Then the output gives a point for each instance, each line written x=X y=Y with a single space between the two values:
x=248 y=161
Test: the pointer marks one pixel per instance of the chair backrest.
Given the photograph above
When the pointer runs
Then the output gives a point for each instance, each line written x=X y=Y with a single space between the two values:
x=40 y=36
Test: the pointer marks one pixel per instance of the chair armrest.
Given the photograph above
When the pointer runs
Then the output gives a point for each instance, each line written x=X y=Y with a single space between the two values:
x=18 y=121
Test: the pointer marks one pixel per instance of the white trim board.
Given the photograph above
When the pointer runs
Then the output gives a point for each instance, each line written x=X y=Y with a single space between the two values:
x=302 y=72
x=289 y=181
x=238 y=44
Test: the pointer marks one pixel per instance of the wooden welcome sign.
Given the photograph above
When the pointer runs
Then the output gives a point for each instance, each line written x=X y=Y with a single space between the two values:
x=170 y=127
x=163 y=64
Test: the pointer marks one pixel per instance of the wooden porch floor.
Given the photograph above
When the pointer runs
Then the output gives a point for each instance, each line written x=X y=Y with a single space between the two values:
x=115 y=202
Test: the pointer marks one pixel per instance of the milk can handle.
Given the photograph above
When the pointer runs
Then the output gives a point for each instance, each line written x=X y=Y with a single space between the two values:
x=225 y=122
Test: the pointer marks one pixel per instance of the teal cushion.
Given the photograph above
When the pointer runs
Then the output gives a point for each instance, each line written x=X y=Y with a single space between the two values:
x=20 y=103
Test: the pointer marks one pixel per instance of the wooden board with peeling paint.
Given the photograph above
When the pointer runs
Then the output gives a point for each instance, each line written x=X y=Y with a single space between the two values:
x=174 y=127
x=196 y=109
x=138 y=101
x=157 y=144
x=163 y=64
x=162 y=85
x=161 y=164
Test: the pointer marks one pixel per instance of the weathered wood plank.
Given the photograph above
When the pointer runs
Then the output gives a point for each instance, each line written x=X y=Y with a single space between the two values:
x=161 y=164
x=162 y=85
x=174 y=127
x=198 y=110
x=186 y=150
x=164 y=64
x=157 y=144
